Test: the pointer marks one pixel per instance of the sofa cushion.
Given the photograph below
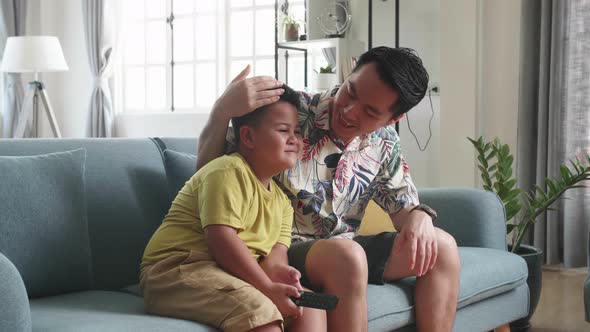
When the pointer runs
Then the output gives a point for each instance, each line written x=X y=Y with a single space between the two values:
x=43 y=225
x=485 y=273
x=179 y=168
x=102 y=311
x=126 y=196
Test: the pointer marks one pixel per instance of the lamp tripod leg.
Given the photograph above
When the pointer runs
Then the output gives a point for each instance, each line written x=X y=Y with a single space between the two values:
x=50 y=114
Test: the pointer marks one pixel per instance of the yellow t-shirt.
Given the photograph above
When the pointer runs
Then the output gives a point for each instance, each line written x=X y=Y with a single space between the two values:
x=223 y=192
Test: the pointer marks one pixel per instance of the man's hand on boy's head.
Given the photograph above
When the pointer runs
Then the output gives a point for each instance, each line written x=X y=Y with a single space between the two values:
x=244 y=95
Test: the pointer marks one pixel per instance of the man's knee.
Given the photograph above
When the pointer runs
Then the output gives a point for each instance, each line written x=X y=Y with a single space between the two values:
x=339 y=260
x=448 y=252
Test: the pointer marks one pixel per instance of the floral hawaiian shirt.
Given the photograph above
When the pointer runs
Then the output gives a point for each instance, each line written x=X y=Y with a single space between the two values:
x=331 y=185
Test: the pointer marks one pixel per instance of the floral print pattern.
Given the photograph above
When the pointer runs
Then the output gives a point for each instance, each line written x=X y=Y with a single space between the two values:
x=331 y=184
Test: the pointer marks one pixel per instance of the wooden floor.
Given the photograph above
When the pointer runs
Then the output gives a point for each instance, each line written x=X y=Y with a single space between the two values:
x=561 y=308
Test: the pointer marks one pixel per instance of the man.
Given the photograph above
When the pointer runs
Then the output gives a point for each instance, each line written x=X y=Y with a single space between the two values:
x=351 y=155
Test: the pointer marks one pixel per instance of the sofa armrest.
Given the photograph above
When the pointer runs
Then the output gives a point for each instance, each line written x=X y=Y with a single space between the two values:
x=475 y=218
x=15 y=313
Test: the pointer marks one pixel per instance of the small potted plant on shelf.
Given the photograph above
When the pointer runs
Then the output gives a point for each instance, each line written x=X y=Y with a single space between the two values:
x=291 y=28
x=522 y=209
x=326 y=78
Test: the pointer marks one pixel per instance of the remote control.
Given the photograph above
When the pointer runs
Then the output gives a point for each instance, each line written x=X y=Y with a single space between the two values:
x=316 y=300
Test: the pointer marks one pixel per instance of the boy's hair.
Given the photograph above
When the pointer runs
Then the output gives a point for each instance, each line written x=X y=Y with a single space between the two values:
x=253 y=118
x=402 y=70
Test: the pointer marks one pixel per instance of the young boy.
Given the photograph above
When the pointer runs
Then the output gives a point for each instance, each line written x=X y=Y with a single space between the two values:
x=213 y=259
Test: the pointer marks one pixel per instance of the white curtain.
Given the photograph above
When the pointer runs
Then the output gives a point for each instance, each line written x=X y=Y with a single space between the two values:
x=101 y=26
x=554 y=119
x=12 y=23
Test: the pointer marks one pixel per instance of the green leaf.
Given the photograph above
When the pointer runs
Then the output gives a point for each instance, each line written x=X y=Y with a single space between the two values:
x=510 y=183
x=483 y=162
x=482 y=169
x=497 y=186
x=513 y=194
x=490 y=155
x=509 y=228
x=565 y=172
x=575 y=166
x=512 y=211
x=551 y=185
x=505 y=149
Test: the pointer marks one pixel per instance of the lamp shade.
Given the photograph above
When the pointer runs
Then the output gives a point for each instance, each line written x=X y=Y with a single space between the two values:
x=24 y=54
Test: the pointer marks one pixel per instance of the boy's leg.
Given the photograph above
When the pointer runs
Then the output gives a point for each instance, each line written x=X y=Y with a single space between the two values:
x=183 y=286
x=271 y=327
x=312 y=320
x=338 y=267
x=436 y=292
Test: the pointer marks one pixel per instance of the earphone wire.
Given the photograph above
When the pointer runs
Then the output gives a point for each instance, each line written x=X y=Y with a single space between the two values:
x=429 y=125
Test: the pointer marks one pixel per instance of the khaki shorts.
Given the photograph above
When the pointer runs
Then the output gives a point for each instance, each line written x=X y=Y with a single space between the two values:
x=192 y=286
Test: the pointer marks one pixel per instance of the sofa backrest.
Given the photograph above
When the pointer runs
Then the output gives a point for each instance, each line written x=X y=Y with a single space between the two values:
x=126 y=194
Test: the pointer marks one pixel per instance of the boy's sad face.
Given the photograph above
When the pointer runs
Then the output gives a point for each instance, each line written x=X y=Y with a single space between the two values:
x=276 y=140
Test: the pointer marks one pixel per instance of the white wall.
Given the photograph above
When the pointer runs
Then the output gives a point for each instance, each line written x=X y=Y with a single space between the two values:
x=479 y=82
x=500 y=61
x=458 y=82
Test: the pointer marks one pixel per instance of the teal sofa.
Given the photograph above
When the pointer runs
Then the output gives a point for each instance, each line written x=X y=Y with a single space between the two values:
x=73 y=226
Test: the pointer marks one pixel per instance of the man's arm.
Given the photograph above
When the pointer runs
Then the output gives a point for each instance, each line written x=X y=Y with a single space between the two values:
x=240 y=97
x=212 y=139
x=232 y=255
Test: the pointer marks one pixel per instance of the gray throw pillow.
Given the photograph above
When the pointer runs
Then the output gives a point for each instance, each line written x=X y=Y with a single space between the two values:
x=43 y=223
x=180 y=167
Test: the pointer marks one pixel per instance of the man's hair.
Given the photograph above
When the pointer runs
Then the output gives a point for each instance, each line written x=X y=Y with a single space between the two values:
x=402 y=70
x=253 y=118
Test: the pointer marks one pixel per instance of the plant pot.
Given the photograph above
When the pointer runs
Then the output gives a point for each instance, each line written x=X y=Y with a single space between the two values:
x=291 y=32
x=534 y=261
x=326 y=81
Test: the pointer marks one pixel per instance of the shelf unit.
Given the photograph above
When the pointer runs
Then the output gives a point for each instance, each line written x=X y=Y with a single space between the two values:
x=344 y=47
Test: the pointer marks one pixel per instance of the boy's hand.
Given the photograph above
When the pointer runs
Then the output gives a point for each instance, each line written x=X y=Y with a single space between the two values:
x=280 y=294
x=243 y=95
x=284 y=274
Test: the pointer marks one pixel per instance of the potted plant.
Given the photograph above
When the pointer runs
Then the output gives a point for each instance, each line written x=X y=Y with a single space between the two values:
x=291 y=28
x=522 y=209
x=326 y=78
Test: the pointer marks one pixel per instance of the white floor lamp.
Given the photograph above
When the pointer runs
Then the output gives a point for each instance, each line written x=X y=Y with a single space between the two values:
x=34 y=54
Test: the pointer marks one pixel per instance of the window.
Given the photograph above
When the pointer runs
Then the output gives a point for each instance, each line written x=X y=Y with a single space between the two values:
x=179 y=55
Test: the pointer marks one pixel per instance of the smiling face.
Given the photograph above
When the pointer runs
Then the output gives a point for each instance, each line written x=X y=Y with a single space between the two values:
x=363 y=104
x=274 y=144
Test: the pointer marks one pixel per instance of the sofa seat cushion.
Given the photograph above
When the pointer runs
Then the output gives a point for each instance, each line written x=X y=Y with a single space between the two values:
x=102 y=311
x=43 y=221
x=485 y=273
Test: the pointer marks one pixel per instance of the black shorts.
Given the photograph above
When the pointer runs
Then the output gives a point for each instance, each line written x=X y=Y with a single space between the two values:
x=377 y=249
